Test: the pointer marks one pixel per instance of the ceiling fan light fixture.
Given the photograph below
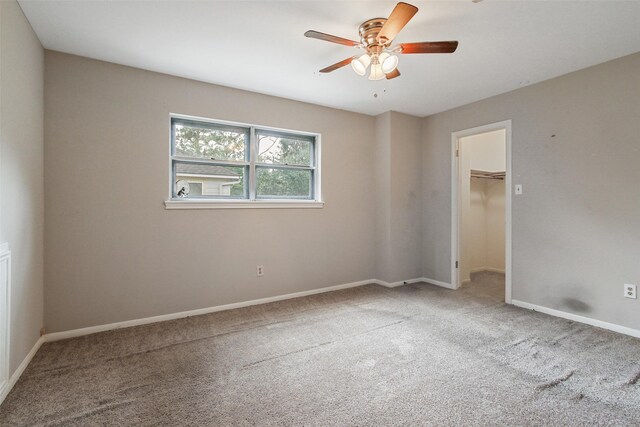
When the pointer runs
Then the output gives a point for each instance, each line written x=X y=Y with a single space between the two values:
x=376 y=37
x=360 y=64
x=376 y=72
x=389 y=63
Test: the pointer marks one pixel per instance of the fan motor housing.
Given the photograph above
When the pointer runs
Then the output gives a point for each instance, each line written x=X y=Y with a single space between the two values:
x=369 y=32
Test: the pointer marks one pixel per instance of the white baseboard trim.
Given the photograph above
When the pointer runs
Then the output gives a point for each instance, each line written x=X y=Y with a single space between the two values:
x=56 y=336
x=16 y=375
x=438 y=283
x=416 y=280
x=396 y=284
x=577 y=318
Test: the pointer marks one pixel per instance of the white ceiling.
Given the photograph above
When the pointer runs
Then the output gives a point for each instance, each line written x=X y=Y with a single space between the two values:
x=259 y=46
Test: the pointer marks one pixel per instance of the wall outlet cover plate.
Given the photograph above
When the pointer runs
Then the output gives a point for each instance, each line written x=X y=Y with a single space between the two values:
x=630 y=291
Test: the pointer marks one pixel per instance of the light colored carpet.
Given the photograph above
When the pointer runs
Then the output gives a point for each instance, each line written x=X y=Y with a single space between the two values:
x=414 y=355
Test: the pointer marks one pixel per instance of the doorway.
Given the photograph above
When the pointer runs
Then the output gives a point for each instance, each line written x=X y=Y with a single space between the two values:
x=481 y=205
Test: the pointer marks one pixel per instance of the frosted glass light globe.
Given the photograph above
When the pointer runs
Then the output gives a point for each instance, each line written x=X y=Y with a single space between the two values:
x=360 y=65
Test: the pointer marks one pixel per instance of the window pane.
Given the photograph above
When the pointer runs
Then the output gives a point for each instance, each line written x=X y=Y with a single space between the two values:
x=284 y=150
x=283 y=182
x=209 y=143
x=195 y=188
x=195 y=180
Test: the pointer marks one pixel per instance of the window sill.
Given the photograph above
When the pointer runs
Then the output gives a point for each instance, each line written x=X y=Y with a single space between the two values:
x=242 y=204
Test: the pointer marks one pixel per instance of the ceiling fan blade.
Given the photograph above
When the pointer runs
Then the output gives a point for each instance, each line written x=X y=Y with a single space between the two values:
x=429 y=47
x=329 y=38
x=392 y=75
x=401 y=14
x=337 y=65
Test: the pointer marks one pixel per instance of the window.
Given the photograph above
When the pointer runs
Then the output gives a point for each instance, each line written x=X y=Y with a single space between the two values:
x=217 y=162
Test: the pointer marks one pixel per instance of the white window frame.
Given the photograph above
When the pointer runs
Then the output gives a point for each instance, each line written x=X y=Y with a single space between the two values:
x=252 y=201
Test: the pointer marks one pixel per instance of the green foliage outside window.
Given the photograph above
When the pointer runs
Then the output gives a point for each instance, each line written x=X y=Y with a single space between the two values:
x=230 y=145
x=283 y=182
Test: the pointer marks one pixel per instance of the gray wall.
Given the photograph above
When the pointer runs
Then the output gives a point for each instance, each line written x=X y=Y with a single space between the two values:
x=21 y=173
x=405 y=197
x=113 y=253
x=576 y=228
x=382 y=176
x=398 y=202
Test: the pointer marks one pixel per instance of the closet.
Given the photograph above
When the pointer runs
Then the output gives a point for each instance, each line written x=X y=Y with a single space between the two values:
x=482 y=202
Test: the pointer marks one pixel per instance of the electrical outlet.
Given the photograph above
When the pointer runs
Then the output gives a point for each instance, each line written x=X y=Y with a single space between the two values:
x=630 y=291
x=260 y=270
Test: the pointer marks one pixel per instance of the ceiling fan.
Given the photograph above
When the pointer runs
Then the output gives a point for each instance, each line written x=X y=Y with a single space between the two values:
x=376 y=36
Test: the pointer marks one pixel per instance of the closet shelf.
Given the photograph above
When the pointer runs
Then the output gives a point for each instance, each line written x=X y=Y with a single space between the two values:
x=486 y=174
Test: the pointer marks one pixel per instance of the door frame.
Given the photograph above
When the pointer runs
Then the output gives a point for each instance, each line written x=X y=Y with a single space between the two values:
x=455 y=201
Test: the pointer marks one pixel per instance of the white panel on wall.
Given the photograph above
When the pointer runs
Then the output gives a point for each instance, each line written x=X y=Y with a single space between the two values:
x=5 y=280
